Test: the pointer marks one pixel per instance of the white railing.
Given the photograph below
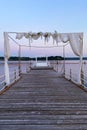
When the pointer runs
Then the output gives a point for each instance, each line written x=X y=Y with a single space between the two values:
x=54 y=65
x=2 y=81
x=58 y=66
x=14 y=76
x=84 y=80
x=72 y=76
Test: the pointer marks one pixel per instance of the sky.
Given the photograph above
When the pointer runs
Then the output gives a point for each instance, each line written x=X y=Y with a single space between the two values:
x=43 y=15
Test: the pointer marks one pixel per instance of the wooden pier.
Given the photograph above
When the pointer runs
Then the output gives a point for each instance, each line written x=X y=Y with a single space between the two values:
x=43 y=100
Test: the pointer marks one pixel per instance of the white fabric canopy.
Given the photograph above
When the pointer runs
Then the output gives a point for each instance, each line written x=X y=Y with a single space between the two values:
x=75 y=40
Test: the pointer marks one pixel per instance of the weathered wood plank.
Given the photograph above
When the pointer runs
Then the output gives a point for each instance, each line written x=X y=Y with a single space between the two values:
x=43 y=100
x=44 y=127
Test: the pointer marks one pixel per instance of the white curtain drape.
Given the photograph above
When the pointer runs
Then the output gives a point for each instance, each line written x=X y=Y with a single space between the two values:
x=55 y=36
x=6 y=45
x=75 y=40
x=6 y=55
x=31 y=35
x=19 y=36
x=63 y=37
x=46 y=37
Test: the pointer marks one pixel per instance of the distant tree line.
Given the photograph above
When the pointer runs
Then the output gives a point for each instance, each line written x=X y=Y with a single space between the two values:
x=51 y=58
x=29 y=58
x=14 y=58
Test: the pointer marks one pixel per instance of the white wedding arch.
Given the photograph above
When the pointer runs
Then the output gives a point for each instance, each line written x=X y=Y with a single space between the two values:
x=74 y=39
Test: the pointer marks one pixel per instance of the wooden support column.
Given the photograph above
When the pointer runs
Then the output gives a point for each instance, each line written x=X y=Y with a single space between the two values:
x=64 y=59
x=19 y=60
x=36 y=61
x=7 y=75
x=80 y=70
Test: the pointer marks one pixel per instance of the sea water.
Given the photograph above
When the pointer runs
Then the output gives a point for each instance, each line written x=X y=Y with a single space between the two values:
x=69 y=64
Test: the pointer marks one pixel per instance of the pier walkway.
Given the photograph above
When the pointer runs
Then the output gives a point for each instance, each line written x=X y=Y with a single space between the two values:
x=43 y=100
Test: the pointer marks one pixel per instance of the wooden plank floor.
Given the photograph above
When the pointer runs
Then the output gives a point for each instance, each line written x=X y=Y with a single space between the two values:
x=43 y=100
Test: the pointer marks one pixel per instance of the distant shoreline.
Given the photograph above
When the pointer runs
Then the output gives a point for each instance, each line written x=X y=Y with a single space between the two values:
x=42 y=58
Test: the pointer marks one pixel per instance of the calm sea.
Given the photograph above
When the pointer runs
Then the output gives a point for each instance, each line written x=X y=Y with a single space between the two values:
x=13 y=65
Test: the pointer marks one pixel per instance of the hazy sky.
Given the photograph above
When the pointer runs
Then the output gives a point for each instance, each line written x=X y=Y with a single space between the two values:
x=43 y=15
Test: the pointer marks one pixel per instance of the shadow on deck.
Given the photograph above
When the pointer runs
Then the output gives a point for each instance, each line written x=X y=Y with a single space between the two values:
x=43 y=100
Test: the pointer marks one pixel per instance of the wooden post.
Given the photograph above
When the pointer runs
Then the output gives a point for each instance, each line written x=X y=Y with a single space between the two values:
x=36 y=61
x=64 y=58
x=7 y=75
x=19 y=60
x=79 y=72
x=70 y=74
x=57 y=65
x=46 y=59
x=82 y=77
x=14 y=75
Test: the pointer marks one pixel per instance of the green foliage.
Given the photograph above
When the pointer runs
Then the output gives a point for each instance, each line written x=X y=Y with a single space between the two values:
x=38 y=58
x=55 y=58
x=42 y=58
x=1 y=58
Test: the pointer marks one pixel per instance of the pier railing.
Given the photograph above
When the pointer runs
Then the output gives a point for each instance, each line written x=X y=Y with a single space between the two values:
x=14 y=76
x=57 y=66
x=84 y=79
x=72 y=76
x=2 y=82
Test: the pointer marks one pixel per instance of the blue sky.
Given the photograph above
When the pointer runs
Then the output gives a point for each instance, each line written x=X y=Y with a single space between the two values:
x=43 y=15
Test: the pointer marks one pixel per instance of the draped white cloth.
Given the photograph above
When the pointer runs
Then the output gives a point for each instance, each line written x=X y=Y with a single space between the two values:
x=76 y=43
x=6 y=45
x=55 y=37
x=7 y=55
x=64 y=37
x=46 y=36
x=19 y=36
x=75 y=39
